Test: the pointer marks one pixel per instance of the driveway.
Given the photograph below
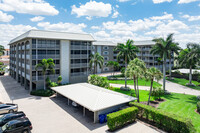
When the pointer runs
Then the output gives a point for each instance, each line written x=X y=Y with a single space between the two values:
x=53 y=115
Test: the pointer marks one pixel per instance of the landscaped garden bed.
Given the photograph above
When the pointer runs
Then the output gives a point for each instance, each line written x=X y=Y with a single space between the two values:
x=44 y=93
x=179 y=104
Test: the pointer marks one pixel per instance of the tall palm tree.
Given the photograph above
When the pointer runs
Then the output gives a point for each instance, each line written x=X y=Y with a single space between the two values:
x=162 y=48
x=151 y=74
x=174 y=48
x=46 y=65
x=113 y=64
x=1 y=50
x=96 y=59
x=126 y=52
x=136 y=70
x=189 y=57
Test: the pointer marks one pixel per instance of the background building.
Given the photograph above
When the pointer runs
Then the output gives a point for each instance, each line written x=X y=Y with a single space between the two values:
x=5 y=58
x=105 y=48
x=70 y=52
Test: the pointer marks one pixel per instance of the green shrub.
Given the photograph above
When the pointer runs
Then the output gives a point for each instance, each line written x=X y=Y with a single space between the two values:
x=157 y=92
x=59 y=79
x=164 y=120
x=198 y=106
x=98 y=81
x=45 y=93
x=1 y=63
x=120 y=118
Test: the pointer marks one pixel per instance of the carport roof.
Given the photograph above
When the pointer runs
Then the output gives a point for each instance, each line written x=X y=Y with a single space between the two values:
x=92 y=97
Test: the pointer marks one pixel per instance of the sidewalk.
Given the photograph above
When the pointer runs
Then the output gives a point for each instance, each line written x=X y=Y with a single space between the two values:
x=170 y=86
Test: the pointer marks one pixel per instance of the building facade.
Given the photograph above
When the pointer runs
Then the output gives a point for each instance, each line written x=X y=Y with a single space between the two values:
x=70 y=52
x=106 y=49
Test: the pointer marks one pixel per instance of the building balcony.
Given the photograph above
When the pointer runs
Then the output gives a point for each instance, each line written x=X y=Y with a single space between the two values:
x=36 y=78
x=79 y=65
x=57 y=56
x=79 y=56
x=27 y=56
x=73 y=47
x=79 y=74
x=27 y=66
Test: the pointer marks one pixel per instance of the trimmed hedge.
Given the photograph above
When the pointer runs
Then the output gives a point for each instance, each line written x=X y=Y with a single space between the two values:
x=166 y=121
x=198 y=106
x=44 y=93
x=120 y=118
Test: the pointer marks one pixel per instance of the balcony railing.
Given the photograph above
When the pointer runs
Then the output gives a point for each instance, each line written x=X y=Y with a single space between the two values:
x=36 y=78
x=79 y=56
x=46 y=56
x=79 y=74
x=80 y=65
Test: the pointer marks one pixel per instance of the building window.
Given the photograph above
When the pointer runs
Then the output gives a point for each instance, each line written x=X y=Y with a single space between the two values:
x=93 y=47
x=106 y=69
x=33 y=41
x=105 y=63
x=105 y=52
x=105 y=47
x=106 y=58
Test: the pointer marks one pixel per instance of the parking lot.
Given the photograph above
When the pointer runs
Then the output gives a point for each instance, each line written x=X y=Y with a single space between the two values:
x=53 y=115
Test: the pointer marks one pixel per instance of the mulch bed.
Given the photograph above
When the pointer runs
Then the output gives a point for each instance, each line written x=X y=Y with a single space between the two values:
x=154 y=103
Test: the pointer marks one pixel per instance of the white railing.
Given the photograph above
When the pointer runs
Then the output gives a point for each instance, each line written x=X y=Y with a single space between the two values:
x=27 y=66
x=80 y=65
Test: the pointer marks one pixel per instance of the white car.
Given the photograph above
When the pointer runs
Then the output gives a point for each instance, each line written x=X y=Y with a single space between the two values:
x=8 y=108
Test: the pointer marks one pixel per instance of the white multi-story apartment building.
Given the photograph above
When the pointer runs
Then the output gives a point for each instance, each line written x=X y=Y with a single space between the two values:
x=106 y=49
x=70 y=52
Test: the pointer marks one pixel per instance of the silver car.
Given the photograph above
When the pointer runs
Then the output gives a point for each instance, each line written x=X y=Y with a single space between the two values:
x=8 y=108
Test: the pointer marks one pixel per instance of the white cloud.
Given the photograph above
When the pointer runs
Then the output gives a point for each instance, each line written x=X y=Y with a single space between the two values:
x=66 y=27
x=95 y=28
x=191 y=18
x=92 y=9
x=115 y=14
x=37 y=18
x=34 y=7
x=161 y=1
x=8 y=32
x=123 y=0
x=186 y=1
x=5 y=18
x=166 y=16
x=174 y=26
x=138 y=25
x=101 y=34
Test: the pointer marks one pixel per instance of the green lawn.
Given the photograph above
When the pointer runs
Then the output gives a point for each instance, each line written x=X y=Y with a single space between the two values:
x=141 y=82
x=180 y=104
x=184 y=82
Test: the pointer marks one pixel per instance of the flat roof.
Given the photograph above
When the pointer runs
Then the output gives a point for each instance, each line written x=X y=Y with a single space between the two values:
x=92 y=97
x=110 y=43
x=53 y=35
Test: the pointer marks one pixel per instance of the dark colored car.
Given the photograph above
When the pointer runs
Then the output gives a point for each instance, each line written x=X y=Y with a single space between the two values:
x=10 y=116
x=20 y=125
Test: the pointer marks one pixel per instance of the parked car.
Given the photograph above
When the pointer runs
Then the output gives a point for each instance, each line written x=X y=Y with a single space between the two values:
x=8 y=108
x=10 y=116
x=20 y=125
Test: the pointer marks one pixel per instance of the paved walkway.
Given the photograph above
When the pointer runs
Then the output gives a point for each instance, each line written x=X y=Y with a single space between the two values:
x=170 y=86
x=53 y=115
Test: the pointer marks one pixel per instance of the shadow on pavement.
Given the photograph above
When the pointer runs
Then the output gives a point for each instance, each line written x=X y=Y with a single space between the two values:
x=77 y=113
x=14 y=90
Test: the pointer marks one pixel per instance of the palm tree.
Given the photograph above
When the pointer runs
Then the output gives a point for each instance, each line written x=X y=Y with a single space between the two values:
x=136 y=70
x=113 y=64
x=1 y=50
x=46 y=65
x=162 y=48
x=189 y=57
x=151 y=74
x=174 y=48
x=126 y=52
x=96 y=59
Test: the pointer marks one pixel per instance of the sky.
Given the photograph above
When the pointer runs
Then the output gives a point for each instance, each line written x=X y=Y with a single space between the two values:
x=106 y=20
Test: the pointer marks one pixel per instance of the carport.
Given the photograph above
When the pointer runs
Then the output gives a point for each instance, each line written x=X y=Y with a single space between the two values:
x=96 y=99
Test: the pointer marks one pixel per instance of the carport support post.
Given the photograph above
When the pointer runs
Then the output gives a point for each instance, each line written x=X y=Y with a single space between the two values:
x=95 y=116
x=83 y=111
x=68 y=101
